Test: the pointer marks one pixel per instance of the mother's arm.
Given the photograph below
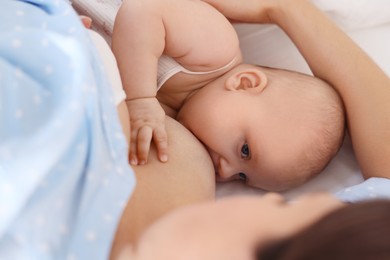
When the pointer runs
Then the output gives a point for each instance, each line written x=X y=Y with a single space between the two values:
x=188 y=177
x=363 y=86
x=334 y=57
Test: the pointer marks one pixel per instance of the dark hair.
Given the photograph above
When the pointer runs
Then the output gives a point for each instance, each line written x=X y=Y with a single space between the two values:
x=358 y=231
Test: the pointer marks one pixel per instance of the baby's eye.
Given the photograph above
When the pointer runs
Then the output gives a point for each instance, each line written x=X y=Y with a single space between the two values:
x=245 y=152
x=242 y=177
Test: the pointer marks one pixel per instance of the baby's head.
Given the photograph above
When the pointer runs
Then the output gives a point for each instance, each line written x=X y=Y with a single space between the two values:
x=273 y=128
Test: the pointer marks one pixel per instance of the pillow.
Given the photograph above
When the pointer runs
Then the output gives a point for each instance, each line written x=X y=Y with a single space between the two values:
x=356 y=14
x=102 y=12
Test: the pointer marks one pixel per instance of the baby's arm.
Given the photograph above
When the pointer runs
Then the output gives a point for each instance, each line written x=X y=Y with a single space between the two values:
x=138 y=42
x=192 y=32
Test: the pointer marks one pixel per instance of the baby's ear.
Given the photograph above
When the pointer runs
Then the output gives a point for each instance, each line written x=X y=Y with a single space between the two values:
x=252 y=80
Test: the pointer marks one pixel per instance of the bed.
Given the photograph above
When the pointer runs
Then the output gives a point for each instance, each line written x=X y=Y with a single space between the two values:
x=366 y=22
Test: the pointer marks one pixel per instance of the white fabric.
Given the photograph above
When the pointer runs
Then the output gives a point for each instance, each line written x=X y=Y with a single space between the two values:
x=168 y=67
x=356 y=14
x=110 y=66
x=102 y=12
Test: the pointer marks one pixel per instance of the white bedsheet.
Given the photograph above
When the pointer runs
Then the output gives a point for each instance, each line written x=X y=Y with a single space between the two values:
x=365 y=21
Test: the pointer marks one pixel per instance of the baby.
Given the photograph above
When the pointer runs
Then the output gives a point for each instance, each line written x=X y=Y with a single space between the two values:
x=271 y=128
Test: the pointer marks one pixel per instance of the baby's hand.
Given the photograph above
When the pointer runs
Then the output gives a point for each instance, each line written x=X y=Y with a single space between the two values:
x=147 y=122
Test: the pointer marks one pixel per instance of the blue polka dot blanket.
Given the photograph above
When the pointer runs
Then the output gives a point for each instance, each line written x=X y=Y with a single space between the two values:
x=64 y=175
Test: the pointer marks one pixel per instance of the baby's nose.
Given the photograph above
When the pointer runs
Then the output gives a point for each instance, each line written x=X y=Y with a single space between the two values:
x=225 y=171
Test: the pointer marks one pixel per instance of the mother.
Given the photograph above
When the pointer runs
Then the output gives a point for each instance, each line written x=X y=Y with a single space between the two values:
x=65 y=183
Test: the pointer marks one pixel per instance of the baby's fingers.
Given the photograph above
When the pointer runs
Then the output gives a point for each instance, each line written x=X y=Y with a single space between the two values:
x=86 y=20
x=143 y=144
x=160 y=138
x=133 y=148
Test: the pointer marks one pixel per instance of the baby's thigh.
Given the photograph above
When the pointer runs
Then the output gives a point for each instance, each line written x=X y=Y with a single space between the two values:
x=187 y=178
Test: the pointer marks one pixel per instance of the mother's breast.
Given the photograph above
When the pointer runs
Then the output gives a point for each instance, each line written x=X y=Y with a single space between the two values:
x=188 y=177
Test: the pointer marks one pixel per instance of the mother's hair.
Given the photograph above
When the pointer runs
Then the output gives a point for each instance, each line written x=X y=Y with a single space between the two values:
x=357 y=231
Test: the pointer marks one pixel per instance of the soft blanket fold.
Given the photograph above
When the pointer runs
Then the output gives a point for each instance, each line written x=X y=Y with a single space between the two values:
x=64 y=176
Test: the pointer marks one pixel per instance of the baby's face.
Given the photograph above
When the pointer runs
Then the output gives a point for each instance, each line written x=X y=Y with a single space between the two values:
x=257 y=139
